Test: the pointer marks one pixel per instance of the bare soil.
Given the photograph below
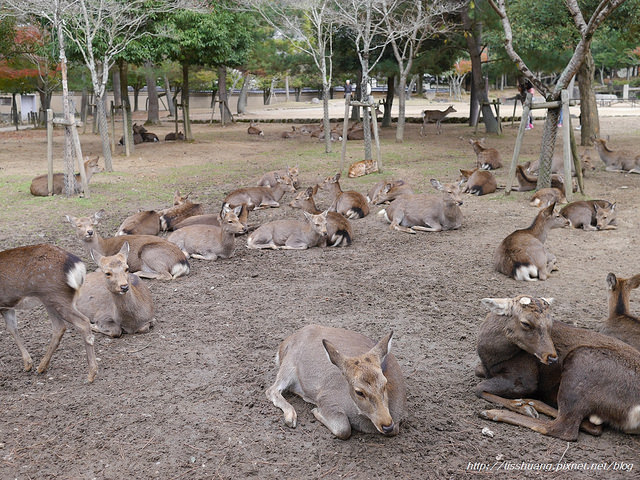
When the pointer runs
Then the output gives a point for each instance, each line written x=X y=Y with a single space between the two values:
x=187 y=399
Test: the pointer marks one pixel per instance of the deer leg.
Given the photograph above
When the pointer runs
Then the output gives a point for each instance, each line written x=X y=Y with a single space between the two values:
x=337 y=422
x=210 y=256
x=400 y=228
x=427 y=228
x=107 y=326
x=513 y=418
x=274 y=393
x=12 y=325
x=58 y=327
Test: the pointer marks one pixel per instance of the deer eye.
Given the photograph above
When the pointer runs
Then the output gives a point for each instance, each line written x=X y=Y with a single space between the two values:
x=107 y=274
x=526 y=325
x=360 y=393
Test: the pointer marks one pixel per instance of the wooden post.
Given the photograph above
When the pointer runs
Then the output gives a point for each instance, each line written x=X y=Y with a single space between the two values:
x=113 y=126
x=372 y=110
x=49 y=151
x=175 y=117
x=347 y=104
x=576 y=159
x=513 y=116
x=516 y=151
x=566 y=138
x=125 y=127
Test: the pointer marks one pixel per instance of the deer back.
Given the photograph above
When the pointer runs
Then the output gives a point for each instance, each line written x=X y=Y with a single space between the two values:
x=172 y=216
x=146 y=222
x=486 y=158
x=621 y=324
x=390 y=191
x=546 y=196
x=479 y=182
x=289 y=233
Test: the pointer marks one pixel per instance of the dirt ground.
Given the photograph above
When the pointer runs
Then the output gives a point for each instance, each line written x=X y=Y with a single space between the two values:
x=187 y=399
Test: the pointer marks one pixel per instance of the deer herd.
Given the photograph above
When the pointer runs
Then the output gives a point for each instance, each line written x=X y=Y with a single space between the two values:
x=580 y=379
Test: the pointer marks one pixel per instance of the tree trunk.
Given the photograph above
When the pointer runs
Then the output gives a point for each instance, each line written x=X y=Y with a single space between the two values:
x=126 y=105
x=167 y=94
x=589 y=121
x=185 y=103
x=325 y=117
x=388 y=102
x=402 y=103
x=546 y=150
x=14 y=111
x=357 y=95
x=286 y=87
x=153 y=110
x=136 y=97
x=244 y=92
x=117 y=97
x=366 y=112
x=225 y=113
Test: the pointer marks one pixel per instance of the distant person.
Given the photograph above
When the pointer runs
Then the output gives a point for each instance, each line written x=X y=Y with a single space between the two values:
x=528 y=86
x=347 y=88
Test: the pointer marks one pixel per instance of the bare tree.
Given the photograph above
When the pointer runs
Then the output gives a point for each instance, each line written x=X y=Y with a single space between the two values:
x=586 y=30
x=308 y=25
x=408 y=27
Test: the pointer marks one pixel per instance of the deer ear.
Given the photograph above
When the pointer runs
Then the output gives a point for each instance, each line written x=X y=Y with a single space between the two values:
x=124 y=250
x=381 y=349
x=307 y=215
x=499 y=306
x=97 y=256
x=436 y=184
x=99 y=215
x=238 y=210
x=611 y=281
x=335 y=356
x=71 y=220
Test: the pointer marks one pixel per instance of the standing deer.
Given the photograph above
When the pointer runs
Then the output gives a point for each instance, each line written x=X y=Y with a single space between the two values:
x=479 y=182
x=269 y=178
x=149 y=256
x=54 y=277
x=435 y=116
x=351 y=204
x=40 y=187
x=426 y=213
x=590 y=376
x=256 y=198
x=522 y=256
x=486 y=158
x=546 y=196
x=354 y=382
x=339 y=231
x=621 y=323
x=210 y=242
x=115 y=300
x=591 y=214
x=291 y=234
x=616 y=160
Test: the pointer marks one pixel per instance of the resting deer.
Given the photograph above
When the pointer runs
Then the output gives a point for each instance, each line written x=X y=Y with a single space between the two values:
x=269 y=178
x=527 y=183
x=173 y=136
x=149 y=256
x=361 y=168
x=355 y=383
x=40 y=186
x=256 y=198
x=426 y=213
x=290 y=133
x=291 y=234
x=621 y=323
x=616 y=160
x=377 y=187
x=522 y=256
x=486 y=158
x=147 y=222
x=590 y=376
x=351 y=204
x=546 y=196
x=591 y=214
x=210 y=242
x=115 y=300
x=214 y=219
x=479 y=182
x=557 y=164
x=54 y=277
x=254 y=129
x=180 y=211
x=435 y=116
x=339 y=231
x=390 y=191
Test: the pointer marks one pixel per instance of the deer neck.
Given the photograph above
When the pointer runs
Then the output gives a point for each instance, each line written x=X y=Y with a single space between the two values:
x=227 y=239
x=540 y=228
x=129 y=305
x=278 y=191
x=334 y=190
x=309 y=206
x=97 y=243
x=619 y=303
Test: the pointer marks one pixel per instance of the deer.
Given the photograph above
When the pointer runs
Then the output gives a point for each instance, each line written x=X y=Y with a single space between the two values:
x=149 y=256
x=147 y=222
x=621 y=324
x=114 y=300
x=527 y=183
x=269 y=178
x=390 y=191
x=290 y=133
x=591 y=214
x=435 y=116
x=522 y=256
x=478 y=182
x=616 y=160
x=256 y=198
x=355 y=383
x=254 y=129
x=53 y=276
x=173 y=136
x=591 y=378
x=426 y=213
x=557 y=164
x=40 y=186
x=379 y=186
x=486 y=158
x=291 y=234
x=210 y=242
x=351 y=204
x=214 y=219
x=182 y=209
x=361 y=168
x=546 y=196
x=339 y=231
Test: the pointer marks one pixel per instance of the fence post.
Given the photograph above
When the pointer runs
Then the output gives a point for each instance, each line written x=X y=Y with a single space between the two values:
x=49 y=151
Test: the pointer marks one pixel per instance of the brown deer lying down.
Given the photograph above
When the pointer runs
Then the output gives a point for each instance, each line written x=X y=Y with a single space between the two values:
x=479 y=182
x=269 y=178
x=546 y=196
x=426 y=213
x=290 y=133
x=376 y=191
x=527 y=183
x=434 y=116
x=54 y=277
x=149 y=256
x=173 y=136
x=115 y=300
x=147 y=222
x=362 y=168
x=557 y=164
x=522 y=256
x=40 y=187
x=621 y=324
x=182 y=209
x=486 y=158
x=214 y=219
x=617 y=160
x=351 y=204
x=590 y=376
x=339 y=231
x=256 y=198
x=591 y=214
x=210 y=242
x=291 y=234
x=355 y=383
x=254 y=129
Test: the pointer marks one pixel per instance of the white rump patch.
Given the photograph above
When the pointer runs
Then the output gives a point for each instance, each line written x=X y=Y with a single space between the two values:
x=633 y=420
x=527 y=273
x=596 y=420
x=525 y=301
x=179 y=269
x=75 y=276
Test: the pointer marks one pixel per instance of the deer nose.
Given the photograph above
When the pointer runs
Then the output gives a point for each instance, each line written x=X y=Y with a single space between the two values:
x=552 y=359
x=124 y=288
x=387 y=429
x=89 y=233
